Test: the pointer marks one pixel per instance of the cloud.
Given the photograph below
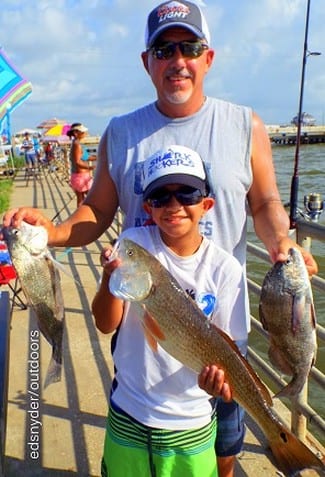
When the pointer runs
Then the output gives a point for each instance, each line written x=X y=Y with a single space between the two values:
x=83 y=57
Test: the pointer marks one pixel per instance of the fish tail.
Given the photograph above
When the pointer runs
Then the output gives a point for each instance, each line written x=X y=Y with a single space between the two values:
x=54 y=370
x=292 y=455
x=292 y=389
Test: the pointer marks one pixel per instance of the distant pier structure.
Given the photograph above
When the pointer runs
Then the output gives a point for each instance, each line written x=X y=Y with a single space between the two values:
x=287 y=135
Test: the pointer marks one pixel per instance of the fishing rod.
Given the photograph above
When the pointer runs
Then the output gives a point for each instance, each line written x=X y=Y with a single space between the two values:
x=295 y=177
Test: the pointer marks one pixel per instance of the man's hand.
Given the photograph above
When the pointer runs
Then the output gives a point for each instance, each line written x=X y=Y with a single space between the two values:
x=32 y=216
x=282 y=254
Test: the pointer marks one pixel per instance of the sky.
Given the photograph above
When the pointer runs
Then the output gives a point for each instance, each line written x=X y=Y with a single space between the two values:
x=83 y=57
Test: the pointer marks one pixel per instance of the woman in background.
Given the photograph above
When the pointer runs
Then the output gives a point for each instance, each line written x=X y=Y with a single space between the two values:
x=81 y=178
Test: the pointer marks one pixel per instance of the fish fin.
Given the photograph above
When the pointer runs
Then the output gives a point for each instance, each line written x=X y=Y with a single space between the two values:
x=279 y=359
x=292 y=455
x=292 y=389
x=150 y=340
x=61 y=267
x=298 y=311
x=313 y=315
x=54 y=372
x=262 y=318
x=261 y=386
x=153 y=327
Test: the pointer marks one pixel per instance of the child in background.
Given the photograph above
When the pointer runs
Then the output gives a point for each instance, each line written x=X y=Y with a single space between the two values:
x=81 y=178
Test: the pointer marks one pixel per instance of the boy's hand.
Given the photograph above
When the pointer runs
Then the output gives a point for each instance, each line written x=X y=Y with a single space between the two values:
x=212 y=381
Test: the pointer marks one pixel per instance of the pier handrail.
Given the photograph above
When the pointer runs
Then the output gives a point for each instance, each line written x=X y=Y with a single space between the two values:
x=302 y=408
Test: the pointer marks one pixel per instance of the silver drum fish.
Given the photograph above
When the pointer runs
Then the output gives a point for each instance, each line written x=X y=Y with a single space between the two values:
x=40 y=282
x=287 y=313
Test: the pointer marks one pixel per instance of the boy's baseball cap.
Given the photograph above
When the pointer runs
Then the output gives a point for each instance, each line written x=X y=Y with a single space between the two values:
x=174 y=165
x=176 y=14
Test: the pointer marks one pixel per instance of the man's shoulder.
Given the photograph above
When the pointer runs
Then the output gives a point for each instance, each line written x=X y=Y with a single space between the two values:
x=133 y=116
x=227 y=105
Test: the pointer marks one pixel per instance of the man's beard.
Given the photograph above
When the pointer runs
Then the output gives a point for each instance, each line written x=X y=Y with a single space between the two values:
x=178 y=97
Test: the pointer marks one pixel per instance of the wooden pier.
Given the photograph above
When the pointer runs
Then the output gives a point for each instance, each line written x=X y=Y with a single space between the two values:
x=287 y=135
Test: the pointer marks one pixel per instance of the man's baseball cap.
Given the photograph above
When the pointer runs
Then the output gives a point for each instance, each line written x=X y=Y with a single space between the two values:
x=176 y=14
x=174 y=165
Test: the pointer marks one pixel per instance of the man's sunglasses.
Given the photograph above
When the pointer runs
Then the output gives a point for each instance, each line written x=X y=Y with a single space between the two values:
x=184 y=195
x=189 y=49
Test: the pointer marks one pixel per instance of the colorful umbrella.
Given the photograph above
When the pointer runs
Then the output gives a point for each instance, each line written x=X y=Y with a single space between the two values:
x=14 y=89
x=60 y=139
x=58 y=130
x=22 y=132
x=50 y=123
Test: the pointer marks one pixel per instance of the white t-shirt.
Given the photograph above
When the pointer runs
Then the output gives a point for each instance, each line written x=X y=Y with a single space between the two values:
x=153 y=387
x=221 y=133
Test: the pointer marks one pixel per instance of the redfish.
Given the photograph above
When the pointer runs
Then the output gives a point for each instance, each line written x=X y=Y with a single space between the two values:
x=174 y=320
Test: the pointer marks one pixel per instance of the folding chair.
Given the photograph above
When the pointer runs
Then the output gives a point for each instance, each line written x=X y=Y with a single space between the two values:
x=8 y=275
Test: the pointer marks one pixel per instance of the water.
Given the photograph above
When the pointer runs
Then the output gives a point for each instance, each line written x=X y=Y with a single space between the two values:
x=311 y=179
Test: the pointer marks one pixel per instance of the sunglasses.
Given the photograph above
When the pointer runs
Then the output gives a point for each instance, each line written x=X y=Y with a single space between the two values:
x=189 y=49
x=184 y=195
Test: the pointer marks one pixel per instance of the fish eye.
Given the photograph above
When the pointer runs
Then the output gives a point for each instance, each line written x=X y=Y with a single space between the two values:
x=130 y=252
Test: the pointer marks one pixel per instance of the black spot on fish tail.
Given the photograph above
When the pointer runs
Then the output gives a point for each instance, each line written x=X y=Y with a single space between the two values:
x=283 y=436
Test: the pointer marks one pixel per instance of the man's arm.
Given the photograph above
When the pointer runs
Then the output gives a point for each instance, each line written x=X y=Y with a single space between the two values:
x=271 y=221
x=88 y=222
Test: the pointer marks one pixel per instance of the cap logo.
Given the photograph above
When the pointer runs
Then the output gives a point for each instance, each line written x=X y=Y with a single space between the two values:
x=169 y=160
x=172 y=10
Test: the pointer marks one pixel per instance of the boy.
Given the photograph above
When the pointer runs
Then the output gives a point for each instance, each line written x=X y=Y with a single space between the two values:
x=161 y=419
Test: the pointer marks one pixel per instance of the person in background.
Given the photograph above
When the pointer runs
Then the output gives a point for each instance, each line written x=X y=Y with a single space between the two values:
x=47 y=146
x=233 y=141
x=37 y=147
x=81 y=178
x=29 y=152
x=146 y=398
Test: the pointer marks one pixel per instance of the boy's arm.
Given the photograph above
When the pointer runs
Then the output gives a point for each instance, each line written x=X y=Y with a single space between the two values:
x=106 y=308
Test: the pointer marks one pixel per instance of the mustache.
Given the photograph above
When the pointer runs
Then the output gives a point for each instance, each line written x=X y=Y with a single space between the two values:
x=180 y=72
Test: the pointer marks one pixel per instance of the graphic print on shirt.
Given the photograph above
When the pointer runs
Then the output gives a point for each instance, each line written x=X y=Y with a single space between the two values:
x=207 y=302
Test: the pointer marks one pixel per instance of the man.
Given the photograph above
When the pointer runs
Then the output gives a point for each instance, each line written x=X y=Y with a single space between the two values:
x=231 y=139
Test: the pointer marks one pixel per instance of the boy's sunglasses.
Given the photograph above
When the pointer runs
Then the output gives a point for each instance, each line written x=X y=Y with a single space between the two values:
x=189 y=49
x=184 y=195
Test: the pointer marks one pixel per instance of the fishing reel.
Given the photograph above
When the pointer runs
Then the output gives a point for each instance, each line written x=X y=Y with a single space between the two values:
x=314 y=206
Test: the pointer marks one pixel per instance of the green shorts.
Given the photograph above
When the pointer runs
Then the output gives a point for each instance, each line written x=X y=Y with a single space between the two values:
x=132 y=449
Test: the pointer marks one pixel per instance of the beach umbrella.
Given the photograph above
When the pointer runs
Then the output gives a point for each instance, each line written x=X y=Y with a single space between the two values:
x=60 y=139
x=22 y=132
x=14 y=90
x=50 y=123
x=58 y=130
